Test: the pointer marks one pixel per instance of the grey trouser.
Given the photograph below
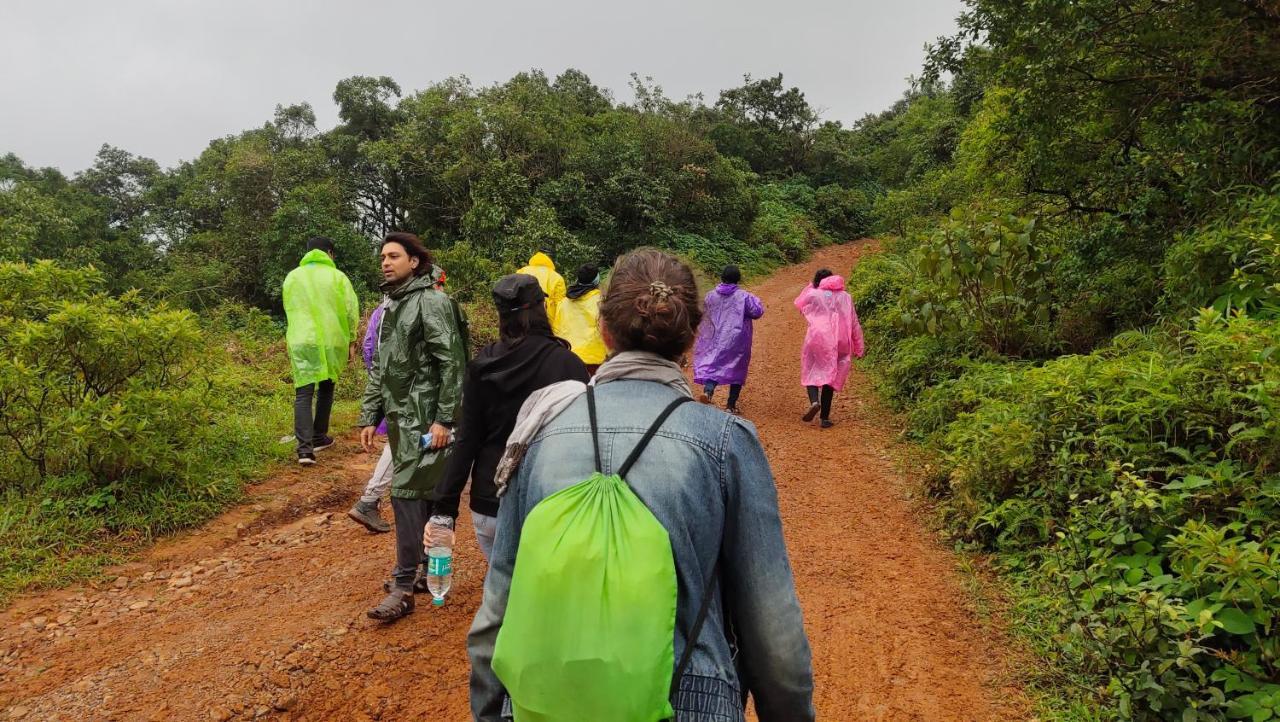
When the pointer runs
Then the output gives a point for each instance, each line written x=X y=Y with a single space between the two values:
x=381 y=479
x=411 y=521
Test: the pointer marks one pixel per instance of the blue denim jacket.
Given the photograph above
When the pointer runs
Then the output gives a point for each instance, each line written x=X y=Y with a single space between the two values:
x=706 y=479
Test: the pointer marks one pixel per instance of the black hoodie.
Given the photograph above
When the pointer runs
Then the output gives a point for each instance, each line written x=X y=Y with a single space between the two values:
x=497 y=383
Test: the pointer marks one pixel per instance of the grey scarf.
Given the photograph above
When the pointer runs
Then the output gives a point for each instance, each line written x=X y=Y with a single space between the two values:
x=545 y=404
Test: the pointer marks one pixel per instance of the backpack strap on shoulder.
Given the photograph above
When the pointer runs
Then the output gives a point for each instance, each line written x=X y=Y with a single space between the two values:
x=595 y=427
x=691 y=641
x=648 y=435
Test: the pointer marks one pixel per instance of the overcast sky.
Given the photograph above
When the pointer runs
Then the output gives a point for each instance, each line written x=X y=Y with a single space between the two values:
x=161 y=78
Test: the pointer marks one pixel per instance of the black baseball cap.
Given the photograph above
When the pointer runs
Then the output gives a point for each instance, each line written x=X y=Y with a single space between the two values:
x=517 y=292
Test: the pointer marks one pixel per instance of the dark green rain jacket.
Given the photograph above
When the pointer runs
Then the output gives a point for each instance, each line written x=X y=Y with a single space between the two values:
x=416 y=380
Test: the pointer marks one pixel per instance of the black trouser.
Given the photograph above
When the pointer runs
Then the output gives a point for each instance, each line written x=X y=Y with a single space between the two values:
x=411 y=522
x=734 y=390
x=828 y=394
x=308 y=427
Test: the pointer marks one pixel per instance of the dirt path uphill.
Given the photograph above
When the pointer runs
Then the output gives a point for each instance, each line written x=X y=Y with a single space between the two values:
x=260 y=614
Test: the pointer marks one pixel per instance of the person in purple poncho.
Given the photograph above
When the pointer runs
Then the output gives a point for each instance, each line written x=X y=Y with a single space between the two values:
x=365 y=510
x=722 y=353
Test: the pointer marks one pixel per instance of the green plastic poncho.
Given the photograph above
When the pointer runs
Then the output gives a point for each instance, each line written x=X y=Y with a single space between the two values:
x=323 y=313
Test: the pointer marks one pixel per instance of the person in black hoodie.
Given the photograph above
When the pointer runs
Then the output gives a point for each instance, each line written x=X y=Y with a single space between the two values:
x=526 y=357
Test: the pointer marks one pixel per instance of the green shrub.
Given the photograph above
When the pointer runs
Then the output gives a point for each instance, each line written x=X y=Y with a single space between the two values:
x=877 y=281
x=843 y=213
x=1233 y=265
x=100 y=386
x=1140 y=485
x=786 y=228
x=469 y=275
x=987 y=279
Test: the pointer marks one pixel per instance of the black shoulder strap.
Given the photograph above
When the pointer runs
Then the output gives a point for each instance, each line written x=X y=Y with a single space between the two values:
x=648 y=435
x=691 y=641
x=595 y=430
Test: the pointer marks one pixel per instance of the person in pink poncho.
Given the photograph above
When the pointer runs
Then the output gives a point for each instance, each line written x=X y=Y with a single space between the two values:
x=833 y=340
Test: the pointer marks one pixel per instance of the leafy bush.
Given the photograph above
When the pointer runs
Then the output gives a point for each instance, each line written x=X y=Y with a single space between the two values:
x=98 y=385
x=843 y=213
x=468 y=274
x=1233 y=265
x=783 y=221
x=1142 y=485
x=121 y=420
x=987 y=272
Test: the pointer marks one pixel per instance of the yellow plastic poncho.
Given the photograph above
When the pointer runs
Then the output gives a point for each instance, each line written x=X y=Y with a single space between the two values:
x=542 y=268
x=323 y=311
x=577 y=320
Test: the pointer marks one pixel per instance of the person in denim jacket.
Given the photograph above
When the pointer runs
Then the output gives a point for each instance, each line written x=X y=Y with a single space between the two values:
x=706 y=479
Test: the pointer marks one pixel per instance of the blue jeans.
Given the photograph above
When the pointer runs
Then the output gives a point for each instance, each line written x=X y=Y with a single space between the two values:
x=486 y=529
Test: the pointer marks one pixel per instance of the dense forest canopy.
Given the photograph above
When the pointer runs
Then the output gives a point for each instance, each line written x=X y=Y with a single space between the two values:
x=486 y=174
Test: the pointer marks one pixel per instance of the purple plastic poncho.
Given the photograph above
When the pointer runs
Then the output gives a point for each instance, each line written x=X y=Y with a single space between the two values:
x=370 y=346
x=834 y=335
x=723 y=350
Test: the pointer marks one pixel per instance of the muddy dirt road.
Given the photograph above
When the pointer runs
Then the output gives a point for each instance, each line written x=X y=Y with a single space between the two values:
x=261 y=612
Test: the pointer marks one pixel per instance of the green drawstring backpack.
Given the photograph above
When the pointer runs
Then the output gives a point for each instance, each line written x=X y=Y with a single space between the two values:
x=589 y=629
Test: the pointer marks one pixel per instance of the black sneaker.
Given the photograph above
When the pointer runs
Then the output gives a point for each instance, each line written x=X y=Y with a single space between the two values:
x=827 y=423
x=322 y=443
x=814 y=408
x=307 y=458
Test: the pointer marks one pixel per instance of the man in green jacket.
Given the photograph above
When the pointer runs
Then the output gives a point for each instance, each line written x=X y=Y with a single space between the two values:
x=322 y=312
x=416 y=385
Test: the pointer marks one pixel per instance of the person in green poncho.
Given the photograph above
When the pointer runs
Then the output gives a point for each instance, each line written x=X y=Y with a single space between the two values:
x=415 y=383
x=322 y=312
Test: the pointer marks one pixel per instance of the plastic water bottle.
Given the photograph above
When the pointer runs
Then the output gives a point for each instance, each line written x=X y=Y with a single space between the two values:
x=439 y=542
x=424 y=443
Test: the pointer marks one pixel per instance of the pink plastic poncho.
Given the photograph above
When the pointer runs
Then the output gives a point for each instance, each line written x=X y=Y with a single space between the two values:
x=834 y=336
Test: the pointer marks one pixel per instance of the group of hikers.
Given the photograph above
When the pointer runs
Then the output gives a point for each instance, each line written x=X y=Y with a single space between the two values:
x=636 y=562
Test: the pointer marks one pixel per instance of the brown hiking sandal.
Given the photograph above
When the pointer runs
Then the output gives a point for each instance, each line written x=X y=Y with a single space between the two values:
x=814 y=408
x=395 y=605
x=419 y=584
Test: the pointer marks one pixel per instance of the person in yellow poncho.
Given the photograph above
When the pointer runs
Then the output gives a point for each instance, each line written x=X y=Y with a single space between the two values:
x=577 y=318
x=323 y=312
x=542 y=268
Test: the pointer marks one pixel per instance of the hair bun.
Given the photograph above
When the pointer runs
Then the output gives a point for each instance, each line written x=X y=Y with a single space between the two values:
x=651 y=304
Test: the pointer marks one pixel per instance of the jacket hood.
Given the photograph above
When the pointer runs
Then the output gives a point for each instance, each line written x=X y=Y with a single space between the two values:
x=578 y=290
x=415 y=283
x=510 y=367
x=726 y=289
x=832 y=283
x=542 y=259
x=317 y=256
